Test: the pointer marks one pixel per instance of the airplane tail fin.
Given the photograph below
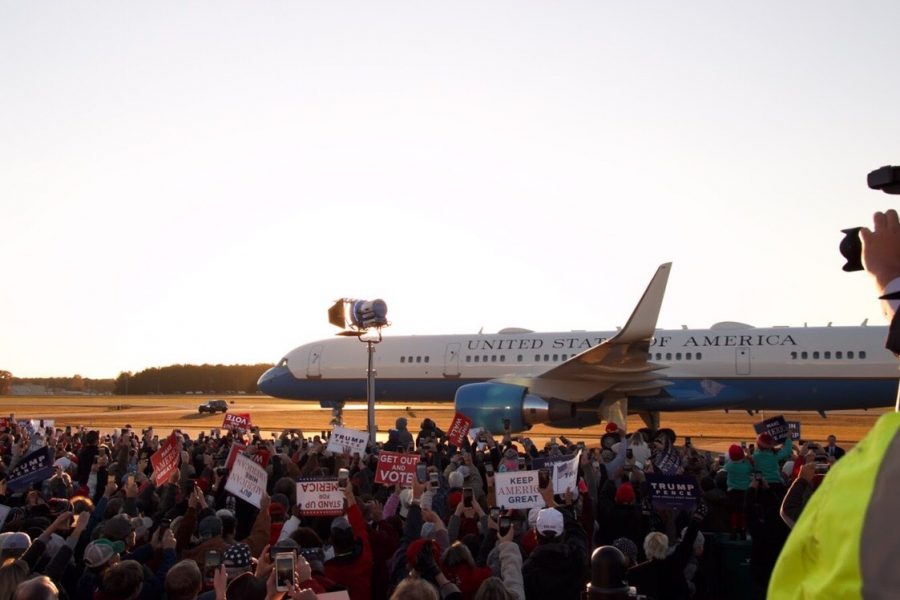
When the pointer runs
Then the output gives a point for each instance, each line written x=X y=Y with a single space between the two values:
x=642 y=323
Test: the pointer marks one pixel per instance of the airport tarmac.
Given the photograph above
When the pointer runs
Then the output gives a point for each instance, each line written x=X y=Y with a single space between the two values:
x=709 y=430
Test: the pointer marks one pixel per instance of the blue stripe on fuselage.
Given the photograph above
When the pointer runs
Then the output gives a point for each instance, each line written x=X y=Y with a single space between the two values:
x=683 y=394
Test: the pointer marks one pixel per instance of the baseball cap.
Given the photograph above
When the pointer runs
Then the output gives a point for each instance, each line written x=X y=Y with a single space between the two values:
x=532 y=517
x=99 y=552
x=14 y=544
x=237 y=555
x=550 y=522
x=117 y=528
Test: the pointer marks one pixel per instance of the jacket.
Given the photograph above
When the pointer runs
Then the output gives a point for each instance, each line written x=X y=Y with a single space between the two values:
x=354 y=572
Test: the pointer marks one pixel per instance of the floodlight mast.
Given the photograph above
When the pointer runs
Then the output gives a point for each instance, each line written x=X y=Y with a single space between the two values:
x=364 y=317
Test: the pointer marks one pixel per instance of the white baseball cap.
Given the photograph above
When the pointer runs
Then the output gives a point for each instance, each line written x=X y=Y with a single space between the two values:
x=550 y=522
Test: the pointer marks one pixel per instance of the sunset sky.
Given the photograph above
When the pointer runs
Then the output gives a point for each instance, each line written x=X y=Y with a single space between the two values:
x=198 y=182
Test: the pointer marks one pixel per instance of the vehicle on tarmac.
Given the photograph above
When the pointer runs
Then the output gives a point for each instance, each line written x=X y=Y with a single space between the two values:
x=213 y=406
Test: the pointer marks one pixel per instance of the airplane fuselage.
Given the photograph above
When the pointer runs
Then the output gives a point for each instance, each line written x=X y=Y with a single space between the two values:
x=807 y=368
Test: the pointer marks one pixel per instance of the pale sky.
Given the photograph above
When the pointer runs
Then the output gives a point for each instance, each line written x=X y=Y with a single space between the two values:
x=190 y=182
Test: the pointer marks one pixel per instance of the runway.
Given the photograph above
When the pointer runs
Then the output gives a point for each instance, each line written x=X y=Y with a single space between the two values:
x=709 y=430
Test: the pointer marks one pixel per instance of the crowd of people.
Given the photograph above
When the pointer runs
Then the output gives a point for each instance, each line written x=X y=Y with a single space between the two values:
x=102 y=527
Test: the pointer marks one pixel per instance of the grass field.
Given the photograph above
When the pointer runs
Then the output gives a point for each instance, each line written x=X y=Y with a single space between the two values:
x=711 y=430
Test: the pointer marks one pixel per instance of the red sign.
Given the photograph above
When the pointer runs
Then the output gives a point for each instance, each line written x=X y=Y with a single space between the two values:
x=166 y=460
x=394 y=468
x=459 y=429
x=236 y=421
x=261 y=457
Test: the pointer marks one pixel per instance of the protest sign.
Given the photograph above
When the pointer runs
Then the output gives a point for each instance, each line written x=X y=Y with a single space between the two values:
x=673 y=491
x=247 y=480
x=239 y=421
x=260 y=457
x=166 y=460
x=667 y=461
x=459 y=428
x=36 y=466
x=473 y=436
x=547 y=462
x=565 y=475
x=320 y=498
x=776 y=426
x=39 y=425
x=394 y=467
x=518 y=489
x=794 y=428
x=344 y=439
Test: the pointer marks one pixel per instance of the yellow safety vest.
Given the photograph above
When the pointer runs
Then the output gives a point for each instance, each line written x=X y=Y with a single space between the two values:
x=846 y=543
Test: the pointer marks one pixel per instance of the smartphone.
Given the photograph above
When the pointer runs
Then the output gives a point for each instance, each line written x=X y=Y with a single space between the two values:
x=421 y=472
x=110 y=479
x=744 y=445
x=489 y=467
x=434 y=478
x=543 y=478
x=211 y=562
x=284 y=571
x=343 y=477
x=521 y=463
x=504 y=525
x=467 y=497
x=495 y=512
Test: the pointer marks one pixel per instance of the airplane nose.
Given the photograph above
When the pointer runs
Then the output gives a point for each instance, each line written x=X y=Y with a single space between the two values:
x=275 y=381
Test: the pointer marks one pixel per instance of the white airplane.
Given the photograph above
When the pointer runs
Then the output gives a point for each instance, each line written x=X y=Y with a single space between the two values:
x=580 y=378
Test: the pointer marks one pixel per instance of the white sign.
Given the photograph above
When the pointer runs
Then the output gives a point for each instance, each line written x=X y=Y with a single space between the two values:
x=347 y=440
x=247 y=480
x=473 y=436
x=320 y=497
x=565 y=475
x=518 y=489
x=39 y=425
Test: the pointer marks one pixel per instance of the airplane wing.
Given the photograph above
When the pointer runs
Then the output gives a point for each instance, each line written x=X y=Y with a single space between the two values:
x=620 y=364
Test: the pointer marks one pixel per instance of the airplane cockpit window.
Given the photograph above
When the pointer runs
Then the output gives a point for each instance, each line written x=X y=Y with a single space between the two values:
x=283 y=362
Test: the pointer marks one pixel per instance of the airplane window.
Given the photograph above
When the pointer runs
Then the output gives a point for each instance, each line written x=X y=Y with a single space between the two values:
x=418 y=359
x=678 y=356
x=827 y=354
x=484 y=358
x=494 y=358
x=476 y=358
x=537 y=358
x=556 y=357
x=410 y=359
x=502 y=358
x=850 y=354
x=468 y=358
x=427 y=358
x=546 y=357
x=668 y=356
x=403 y=359
x=862 y=353
x=687 y=356
x=658 y=356
x=816 y=354
x=519 y=358
x=794 y=355
x=565 y=356
x=838 y=354
x=699 y=355
x=803 y=355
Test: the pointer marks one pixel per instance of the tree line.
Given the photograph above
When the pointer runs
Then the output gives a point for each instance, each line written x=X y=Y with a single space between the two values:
x=181 y=379
x=174 y=379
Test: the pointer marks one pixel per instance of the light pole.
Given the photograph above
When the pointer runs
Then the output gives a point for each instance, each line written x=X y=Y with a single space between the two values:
x=363 y=319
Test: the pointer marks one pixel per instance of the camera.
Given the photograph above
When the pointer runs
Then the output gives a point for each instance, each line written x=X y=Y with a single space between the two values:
x=886 y=179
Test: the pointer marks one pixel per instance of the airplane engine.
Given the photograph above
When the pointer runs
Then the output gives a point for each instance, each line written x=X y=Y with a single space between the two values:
x=489 y=403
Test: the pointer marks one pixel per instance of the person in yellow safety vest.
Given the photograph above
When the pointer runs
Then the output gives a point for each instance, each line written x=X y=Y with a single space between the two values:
x=845 y=543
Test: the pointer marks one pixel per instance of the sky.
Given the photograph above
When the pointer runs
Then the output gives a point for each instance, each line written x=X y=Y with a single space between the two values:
x=197 y=182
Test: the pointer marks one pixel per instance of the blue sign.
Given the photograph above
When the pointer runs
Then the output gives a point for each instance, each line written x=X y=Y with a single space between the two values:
x=37 y=466
x=674 y=491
